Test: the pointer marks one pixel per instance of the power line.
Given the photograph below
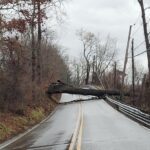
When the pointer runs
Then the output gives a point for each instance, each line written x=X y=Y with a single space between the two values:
x=139 y=16
x=137 y=30
x=138 y=54
x=139 y=45
x=136 y=22
x=134 y=56
x=138 y=27
x=121 y=59
x=148 y=21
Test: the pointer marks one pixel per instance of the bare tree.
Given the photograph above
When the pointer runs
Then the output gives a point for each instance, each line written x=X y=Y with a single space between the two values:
x=88 y=40
x=23 y=47
x=78 y=68
x=98 y=55
x=105 y=54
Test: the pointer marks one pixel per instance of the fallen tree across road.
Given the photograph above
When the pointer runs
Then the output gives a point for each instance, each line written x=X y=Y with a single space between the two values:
x=64 y=88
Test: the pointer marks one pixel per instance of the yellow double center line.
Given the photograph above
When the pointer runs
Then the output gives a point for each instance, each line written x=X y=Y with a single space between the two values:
x=76 y=140
x=79 y=141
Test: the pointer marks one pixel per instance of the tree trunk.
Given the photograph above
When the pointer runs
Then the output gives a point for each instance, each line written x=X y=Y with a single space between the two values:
x=87 y=74
x=145 y=33
x=53 y=89
x=115 y=74
x=39 y=45
x=33 y=52
x=133 y=73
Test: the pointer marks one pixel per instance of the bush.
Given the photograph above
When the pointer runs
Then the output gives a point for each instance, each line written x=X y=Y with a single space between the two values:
x=36 y=115
x=4 y=131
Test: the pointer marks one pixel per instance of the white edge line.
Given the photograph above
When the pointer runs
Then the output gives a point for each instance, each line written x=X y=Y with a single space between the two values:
x=14 y=139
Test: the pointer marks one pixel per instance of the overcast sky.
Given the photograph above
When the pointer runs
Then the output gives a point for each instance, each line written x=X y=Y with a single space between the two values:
x=106 y=17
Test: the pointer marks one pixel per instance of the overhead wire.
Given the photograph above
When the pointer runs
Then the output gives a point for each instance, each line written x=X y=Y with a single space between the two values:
x=139 y=54
x=137 y=30
x=139 y=45
x=136 y=22
x=137 y=19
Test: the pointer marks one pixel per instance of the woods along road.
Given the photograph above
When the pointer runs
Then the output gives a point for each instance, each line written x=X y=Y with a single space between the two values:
x=85 y=125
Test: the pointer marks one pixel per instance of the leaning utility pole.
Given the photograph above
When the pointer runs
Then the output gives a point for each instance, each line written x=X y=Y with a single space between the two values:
x=133 y=71
x=126 y=56
x=145 y=33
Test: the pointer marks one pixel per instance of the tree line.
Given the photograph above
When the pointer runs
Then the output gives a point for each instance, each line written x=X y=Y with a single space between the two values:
x=98 y=65
x=29 y=60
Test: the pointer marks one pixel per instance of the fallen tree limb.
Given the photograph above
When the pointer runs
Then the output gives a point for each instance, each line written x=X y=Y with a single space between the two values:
x=61 y=88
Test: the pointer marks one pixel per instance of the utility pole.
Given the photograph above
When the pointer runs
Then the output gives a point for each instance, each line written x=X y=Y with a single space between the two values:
x=115 y=74
x=126 y=56
x=133 y=71
x=145 y=33
x=125 y=62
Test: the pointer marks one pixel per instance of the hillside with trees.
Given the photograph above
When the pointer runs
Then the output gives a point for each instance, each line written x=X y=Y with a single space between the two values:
x=31 y=59
x=29 y=62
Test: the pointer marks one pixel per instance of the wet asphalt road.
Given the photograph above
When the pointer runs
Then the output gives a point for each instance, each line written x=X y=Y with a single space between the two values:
x=54 y=134
x=88 y=125
x=106 y=129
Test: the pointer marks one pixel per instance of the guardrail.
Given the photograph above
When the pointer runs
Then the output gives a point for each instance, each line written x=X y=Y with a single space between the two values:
x=132 y=112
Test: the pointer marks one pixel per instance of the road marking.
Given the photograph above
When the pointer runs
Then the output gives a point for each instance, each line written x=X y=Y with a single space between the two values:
x=76 y=140
x=75 y=134
x=79 y=142
x=16 y=138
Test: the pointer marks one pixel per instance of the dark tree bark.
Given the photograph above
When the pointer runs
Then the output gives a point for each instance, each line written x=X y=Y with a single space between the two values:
x=115 y=74
x=33 y=52
x=145 y=33
x=87 y=66
x=61 y=88
x=133 y=71
x=39 y=44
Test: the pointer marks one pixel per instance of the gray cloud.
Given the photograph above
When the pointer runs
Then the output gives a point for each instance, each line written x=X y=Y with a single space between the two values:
x=104 y=17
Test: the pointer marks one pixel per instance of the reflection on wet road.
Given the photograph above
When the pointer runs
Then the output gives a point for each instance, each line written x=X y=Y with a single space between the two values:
x=106 y=129
x=54 y=133
x=89 y=125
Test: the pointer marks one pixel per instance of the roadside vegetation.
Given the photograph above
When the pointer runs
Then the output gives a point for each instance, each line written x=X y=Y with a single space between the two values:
x=99 y=66
x=12 y=124
x=30 y=59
